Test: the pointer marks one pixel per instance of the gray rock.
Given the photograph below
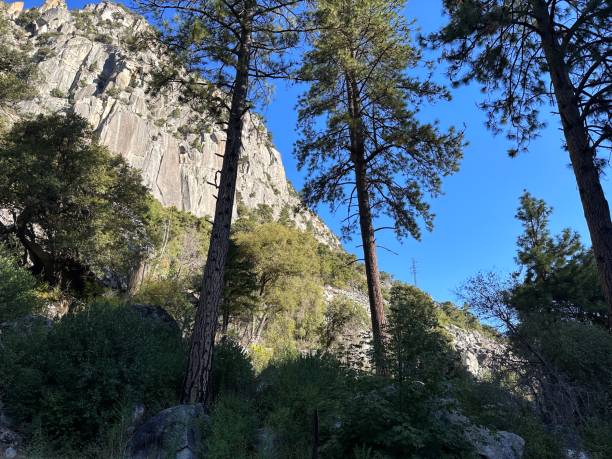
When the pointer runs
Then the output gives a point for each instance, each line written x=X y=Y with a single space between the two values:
x=90 y=63
x=156 y=314
x=487 y=444
x=480 y=354
x=174 y=433
x=496 y=445
x=9 y=441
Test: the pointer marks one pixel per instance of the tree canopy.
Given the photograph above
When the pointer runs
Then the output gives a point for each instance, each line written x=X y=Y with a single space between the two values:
x=73 y=206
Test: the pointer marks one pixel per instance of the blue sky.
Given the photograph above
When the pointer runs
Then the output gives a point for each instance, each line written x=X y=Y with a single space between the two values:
x=475 y=228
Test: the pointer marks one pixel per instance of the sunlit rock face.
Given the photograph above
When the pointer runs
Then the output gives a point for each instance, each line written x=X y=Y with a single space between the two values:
x=90 y=62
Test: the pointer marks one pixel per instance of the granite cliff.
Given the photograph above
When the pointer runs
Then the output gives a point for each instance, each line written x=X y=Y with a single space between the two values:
x=89 y=62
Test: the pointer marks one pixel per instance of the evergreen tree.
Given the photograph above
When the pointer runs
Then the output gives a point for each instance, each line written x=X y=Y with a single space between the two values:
x=235 y=46
x=526 y=53
x=362 y=143
x=538 y=252
x=560 y=276
x=72 y=205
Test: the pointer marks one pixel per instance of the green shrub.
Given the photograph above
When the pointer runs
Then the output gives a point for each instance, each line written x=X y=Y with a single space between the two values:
x=374 y=420
x=18 y=289
x=597 y=436
x=292 y=391
x=232 y=429
x=232 y=372
x=172 y=294
x=55 y=92
x=417 y=351
x=75 y=380
x=357 y=413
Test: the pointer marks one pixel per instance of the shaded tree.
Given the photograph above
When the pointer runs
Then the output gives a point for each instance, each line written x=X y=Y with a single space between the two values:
x=229 y=49
x=76 y=209
x=362 y=144
x=526 y=53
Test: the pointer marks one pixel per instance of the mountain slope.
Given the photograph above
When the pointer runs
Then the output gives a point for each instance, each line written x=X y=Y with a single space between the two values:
x=89 y=62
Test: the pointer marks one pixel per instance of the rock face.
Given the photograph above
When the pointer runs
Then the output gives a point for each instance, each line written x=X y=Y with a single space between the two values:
x=479 y=353
x=91 y=62
x=174 y=433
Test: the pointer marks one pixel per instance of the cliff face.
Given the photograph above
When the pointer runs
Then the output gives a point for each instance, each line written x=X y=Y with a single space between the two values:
x=89 y=63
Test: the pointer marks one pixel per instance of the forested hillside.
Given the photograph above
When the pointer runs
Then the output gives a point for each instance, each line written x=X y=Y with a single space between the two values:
x=166 y=293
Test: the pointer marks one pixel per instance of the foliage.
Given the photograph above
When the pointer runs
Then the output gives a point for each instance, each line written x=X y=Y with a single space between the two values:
x=355 y=412
x=366 y=46
x=232 y=430
x=493 y=404
x=560 y=273
x=447 y=313
x=232 y=372
x=18 y=288
x=172 y=294
x=75 y=379
x=337 y=267
x=502 y=45
x=342 y=316
x=282 y=262
x=17 y=71
x=293 y=390
x=87 y=205
x=418 y=353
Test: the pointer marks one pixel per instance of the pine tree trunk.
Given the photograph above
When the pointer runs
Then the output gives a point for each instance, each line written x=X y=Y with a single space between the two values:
x=203 y=337
x=377 y=312
x=582 y=155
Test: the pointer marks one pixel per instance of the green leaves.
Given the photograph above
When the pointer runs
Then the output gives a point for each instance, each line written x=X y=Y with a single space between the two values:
x=18 y=289
x=366 y=46
x=69 y=198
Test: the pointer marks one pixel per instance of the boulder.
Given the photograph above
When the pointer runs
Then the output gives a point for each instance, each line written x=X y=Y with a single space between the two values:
x=156 y=314
x=175 y=433
x=495 y=445
x=488 y=444
x=9 y=441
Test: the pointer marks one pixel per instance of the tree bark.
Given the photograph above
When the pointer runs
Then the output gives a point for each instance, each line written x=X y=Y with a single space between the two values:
x=582 y=154
x=203 y=338
x=377 y=312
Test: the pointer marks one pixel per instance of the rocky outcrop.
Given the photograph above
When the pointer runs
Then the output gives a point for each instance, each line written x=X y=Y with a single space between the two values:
x=92 y=62
x=480 y=354
x=175 y=432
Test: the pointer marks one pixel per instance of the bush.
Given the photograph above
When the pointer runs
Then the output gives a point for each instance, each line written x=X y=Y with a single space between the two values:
x=232 y=372
x=357 y=413
x=232 y=429
x=18 y=289
x=75 y=380
x=173 y=295
x=417 y=351
x=292 y=391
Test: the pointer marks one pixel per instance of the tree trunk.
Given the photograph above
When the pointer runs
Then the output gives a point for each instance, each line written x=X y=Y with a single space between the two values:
x=582 y=154
x=377 y=312
x=136 y=278
x=203 y=337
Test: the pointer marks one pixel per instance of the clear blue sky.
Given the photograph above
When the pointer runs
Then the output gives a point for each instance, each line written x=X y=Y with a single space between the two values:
x=475 y=227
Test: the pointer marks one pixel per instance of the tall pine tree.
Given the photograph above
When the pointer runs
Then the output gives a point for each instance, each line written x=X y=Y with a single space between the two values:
x=529 y=52
x=362 y=144
x=235 y=45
